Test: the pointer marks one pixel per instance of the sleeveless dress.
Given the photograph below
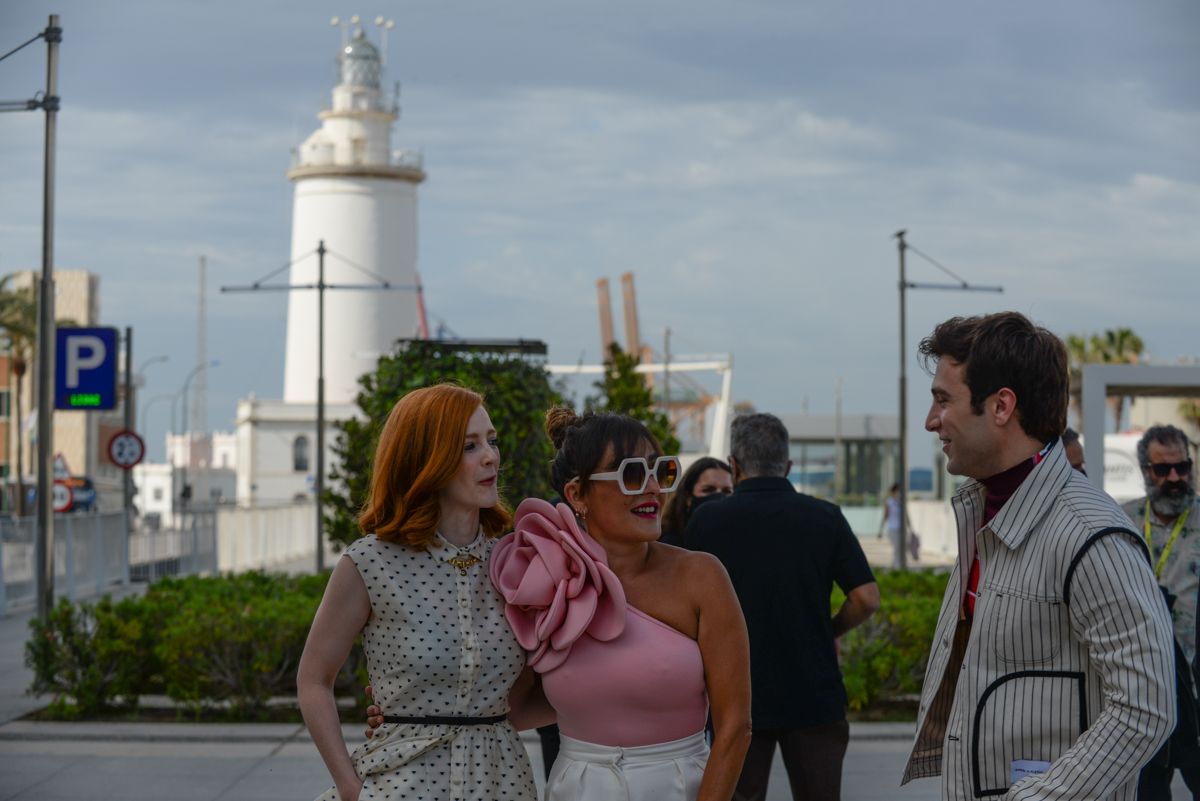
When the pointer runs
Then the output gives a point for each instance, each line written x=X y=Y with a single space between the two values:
x=437 y=644
x=628 y=689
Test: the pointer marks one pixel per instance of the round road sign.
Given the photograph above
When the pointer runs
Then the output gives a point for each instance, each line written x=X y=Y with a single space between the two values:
x=126 y=449
x=63 y=496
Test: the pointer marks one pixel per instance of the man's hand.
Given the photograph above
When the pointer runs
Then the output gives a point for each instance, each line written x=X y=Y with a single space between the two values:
x=374 y=714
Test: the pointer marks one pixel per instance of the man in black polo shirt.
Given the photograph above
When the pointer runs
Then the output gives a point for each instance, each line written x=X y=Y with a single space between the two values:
x=784 y=551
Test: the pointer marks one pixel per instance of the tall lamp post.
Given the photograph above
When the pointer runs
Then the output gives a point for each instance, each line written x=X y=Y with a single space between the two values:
x=321 y=287
x=48 y=102
x=184 y=492
x=962 y=286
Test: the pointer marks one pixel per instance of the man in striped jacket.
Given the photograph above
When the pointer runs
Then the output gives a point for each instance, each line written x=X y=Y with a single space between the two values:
x=1051 y=674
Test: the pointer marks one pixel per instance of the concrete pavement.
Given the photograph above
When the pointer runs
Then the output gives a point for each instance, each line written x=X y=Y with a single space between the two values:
x=269 y=762
x=46 y=761
x=274 y=762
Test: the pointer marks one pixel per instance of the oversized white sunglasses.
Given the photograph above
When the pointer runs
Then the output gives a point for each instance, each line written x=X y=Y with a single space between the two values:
x=633 y=474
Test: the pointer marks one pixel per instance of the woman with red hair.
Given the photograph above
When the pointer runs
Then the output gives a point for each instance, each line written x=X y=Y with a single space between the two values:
x=441 y=658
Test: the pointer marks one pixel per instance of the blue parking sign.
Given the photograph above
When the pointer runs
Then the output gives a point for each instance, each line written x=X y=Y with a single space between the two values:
x=85 y=368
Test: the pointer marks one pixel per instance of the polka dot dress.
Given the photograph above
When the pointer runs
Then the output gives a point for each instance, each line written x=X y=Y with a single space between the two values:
x=437 y=644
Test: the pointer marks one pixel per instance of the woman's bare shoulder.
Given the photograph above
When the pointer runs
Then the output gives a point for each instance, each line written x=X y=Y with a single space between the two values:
x=690 y=564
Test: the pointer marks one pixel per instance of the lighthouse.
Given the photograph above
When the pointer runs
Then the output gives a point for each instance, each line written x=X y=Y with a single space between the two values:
x=357 y=195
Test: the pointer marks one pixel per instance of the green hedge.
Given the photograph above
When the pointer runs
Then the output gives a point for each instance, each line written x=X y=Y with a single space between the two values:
x=234 y=642
x=230 y=642
x=884 y=658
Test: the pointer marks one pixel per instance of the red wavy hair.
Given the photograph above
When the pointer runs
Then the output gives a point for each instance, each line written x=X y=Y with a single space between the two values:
x=420 y=450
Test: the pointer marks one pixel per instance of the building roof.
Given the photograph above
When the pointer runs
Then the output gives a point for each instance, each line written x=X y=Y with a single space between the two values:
x=853 y=426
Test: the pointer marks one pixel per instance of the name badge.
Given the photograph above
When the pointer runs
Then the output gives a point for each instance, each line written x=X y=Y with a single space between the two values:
x=1023 y=768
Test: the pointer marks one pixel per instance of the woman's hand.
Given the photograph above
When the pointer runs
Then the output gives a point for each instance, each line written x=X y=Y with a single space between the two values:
x=374 y=714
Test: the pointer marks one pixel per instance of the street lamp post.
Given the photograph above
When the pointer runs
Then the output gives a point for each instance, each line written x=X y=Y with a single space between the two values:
x=130 y=421
x=320 y=286
x=962 y=286
x=183 y=392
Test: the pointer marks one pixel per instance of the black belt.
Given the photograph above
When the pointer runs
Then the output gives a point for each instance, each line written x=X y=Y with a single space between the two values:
x=446 y=721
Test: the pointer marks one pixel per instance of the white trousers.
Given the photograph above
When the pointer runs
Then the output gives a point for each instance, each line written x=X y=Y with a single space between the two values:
x=660 y=772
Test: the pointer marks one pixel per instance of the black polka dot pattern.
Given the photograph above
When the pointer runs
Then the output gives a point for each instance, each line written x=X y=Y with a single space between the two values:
x=437 y=644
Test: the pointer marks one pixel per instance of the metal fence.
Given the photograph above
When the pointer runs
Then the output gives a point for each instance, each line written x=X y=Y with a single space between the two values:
x=93 y=553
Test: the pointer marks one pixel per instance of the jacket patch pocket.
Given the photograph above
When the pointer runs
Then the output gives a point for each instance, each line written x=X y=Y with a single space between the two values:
x=1030 y=715
x=1026 y=631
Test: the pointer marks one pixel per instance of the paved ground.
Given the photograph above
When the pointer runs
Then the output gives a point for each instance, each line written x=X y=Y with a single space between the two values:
x=265 y=762
x=268 y=762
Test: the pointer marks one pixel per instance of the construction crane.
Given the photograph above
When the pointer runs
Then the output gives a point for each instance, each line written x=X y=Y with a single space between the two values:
x=684 y=400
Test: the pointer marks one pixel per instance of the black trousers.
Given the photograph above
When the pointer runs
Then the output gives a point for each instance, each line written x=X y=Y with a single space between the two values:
x=1154 y=782
x=812 y=756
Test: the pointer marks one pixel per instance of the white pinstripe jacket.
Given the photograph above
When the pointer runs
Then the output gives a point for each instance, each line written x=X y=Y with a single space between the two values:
x=1069 y=659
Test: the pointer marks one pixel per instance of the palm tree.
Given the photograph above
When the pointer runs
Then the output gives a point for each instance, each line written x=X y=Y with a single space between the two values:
x=1119 y=346
x=1078 y=354
x=1113 y=346
x=18 y=321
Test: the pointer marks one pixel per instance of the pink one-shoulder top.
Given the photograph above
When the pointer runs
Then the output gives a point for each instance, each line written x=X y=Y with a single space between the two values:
x=615 y=675
x=644 y=687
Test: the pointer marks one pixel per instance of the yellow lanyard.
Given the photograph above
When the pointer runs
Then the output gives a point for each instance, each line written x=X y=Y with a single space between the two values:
x=1179 y=522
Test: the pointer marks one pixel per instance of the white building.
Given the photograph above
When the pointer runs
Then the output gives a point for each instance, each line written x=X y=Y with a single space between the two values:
x=207 y=464
x=357 y=196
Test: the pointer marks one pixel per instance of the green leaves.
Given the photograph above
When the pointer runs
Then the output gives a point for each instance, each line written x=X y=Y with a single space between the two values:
x=885 y=657
x=220 y=642
x=624 y=391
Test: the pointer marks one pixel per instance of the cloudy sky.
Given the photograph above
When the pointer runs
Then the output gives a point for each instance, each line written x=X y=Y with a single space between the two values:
x=749 y=161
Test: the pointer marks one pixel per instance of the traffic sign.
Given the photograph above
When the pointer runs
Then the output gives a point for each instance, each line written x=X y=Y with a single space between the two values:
x=85 y=368
x=63 y=497
x=126 y=449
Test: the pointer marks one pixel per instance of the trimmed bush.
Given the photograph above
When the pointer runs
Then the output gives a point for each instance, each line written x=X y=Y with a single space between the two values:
x=228 y=641
x=885 y=657
x=89 y=655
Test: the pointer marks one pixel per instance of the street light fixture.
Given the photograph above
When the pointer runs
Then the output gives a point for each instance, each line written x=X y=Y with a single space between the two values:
x=183 y=392
x=962 y=285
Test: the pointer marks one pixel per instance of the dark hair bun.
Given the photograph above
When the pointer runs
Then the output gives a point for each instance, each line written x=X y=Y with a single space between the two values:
x=558 y=420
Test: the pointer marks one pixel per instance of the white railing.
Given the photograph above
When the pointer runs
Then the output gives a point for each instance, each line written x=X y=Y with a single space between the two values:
x=89 y=557
x=93 y=554
x=190 y=550
x=279 y=537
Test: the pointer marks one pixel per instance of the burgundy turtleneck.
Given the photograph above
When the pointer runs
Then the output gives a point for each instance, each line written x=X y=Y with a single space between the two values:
x=1000 y=488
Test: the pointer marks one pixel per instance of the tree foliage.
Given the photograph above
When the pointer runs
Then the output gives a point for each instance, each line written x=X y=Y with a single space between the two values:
x=18 y=321
x=1112 y=346
x=517 y=391
x=624 y=391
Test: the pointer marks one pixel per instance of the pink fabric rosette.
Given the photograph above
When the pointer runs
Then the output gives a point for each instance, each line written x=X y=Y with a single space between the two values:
x=556 y=584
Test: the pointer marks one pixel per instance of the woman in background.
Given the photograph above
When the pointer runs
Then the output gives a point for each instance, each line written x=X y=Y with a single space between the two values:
x=707 y=479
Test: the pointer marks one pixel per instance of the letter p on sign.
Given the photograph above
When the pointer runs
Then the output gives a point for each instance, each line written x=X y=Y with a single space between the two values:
x=83 y=353
x=85 y=368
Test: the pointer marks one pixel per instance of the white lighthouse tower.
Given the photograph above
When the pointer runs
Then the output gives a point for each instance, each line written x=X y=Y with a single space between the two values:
x=359 y=196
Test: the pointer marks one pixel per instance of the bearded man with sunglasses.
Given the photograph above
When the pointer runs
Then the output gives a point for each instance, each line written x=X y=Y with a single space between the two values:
x=784 y=551
x=1169 y=520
